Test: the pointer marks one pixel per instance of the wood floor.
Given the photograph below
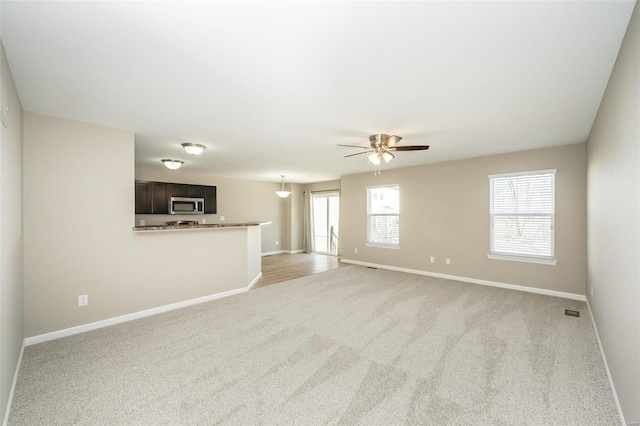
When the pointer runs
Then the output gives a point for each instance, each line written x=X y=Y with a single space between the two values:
x=283 y=267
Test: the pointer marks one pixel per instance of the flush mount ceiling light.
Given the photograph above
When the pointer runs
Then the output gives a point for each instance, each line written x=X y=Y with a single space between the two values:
x=283 y=193
x=172 y=164
x=193 y=148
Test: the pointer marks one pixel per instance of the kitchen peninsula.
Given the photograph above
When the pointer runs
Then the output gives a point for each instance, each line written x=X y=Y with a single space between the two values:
x=196 y=226
x=198 y=260
x=202 y=261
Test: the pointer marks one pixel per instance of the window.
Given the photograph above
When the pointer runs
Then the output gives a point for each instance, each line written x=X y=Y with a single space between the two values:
x=383 y=209
x=522 y=216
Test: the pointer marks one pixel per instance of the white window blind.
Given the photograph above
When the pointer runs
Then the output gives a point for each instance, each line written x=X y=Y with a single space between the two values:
x=383 y=215
x=522 y=214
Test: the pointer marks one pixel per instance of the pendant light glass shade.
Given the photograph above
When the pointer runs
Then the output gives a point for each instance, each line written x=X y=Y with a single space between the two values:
x=283 y=193
x=387 y=156
x=172 y=164
x=193 y=148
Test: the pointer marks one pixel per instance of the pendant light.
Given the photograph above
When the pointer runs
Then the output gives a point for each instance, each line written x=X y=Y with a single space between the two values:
x=283 y=193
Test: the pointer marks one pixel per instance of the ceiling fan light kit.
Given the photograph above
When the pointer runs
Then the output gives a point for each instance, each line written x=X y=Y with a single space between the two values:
x=382 y=148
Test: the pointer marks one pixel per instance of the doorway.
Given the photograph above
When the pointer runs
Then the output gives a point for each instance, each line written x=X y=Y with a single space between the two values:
x=325 y=217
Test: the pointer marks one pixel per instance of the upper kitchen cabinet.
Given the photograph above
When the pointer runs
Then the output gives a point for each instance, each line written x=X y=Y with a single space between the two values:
x=161 y=196
x=154 y=197
x=144 y=204
x=179 y=189
x=195 y=191
x=210 y=201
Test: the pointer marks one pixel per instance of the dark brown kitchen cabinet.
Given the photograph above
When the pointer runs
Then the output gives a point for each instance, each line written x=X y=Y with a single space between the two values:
x=210 y=202
x=179 y=190
x=161 y=196
x=196 y=191
x=183 y=190
x=143 y=198
x=154 y=197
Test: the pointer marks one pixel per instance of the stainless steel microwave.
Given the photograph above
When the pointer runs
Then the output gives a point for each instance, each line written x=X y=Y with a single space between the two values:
x=184 y=205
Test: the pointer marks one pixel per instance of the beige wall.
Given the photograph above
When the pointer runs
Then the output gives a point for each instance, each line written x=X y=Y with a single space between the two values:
x=237 y=200
x=297 y=205
x=444 y=212
x=614 y=217
x=11 y=238
x=291 y=217
x=323 y=186
x=78 y=215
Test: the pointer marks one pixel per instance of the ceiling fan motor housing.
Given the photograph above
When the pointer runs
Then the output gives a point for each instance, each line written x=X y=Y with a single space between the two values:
x=383 y=140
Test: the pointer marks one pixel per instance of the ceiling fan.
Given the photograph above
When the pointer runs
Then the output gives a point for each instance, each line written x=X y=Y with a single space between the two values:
x=382 y=148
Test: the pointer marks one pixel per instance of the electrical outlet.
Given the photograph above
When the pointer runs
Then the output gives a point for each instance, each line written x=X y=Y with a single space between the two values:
x=204 y=221
x=432 y=259
x=142 y=222
x=448 y=261
x=277 y=242
x=221 y=218
x=83 y=300
x=355 y=250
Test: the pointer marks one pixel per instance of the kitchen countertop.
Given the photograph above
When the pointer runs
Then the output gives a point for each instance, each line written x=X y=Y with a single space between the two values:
x=199 y=226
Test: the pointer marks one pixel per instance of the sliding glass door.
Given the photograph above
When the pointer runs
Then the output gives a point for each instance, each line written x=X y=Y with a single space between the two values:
x=325 y=216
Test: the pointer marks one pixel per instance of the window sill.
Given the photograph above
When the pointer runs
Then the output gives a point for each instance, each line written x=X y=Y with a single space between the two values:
x=523 y=259
x=386 y=246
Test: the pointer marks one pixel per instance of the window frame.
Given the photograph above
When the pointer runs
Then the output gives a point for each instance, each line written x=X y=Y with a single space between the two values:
x=370 y=243
x=547 y=260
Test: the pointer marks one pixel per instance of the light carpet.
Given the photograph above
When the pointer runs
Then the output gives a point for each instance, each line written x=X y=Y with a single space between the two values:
x=348 y=346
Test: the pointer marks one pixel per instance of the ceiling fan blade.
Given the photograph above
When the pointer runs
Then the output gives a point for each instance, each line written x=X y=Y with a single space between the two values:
x=393 y=139
x=357 y=153
x=411 y=148
x=354 y=146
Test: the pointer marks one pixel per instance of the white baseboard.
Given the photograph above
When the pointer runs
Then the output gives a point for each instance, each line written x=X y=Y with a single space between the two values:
x=255 y=280
x=606 y=366
x=13 y=386
x=133 y=316
x=471 y=280
x=293 y=251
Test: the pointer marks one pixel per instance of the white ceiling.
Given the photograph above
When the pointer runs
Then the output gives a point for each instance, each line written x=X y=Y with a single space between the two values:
x=271 y=87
